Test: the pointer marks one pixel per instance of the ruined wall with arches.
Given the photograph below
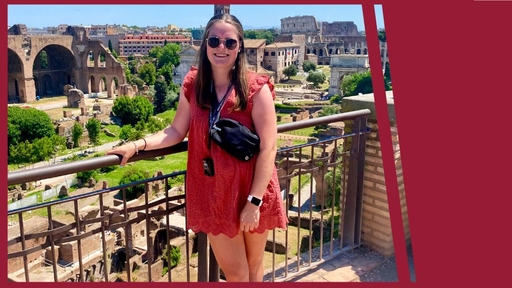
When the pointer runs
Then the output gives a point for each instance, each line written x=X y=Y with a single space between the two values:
x=42 y=65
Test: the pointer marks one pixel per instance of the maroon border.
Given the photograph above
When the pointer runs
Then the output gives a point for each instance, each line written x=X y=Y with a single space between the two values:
x=451 y=69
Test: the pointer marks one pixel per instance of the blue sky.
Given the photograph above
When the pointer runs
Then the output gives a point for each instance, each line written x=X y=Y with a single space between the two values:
x=185 y=16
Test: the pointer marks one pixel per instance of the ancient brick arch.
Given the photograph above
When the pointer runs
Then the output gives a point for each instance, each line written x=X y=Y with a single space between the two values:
x=342 y=65
x=69 y=52
x=52 y=69
x=16 y=80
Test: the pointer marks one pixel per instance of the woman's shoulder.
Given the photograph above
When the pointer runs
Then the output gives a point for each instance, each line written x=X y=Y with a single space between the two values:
x=189 y=80
x=257 y=81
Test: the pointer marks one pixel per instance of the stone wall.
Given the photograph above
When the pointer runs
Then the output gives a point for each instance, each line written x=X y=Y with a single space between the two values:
x=376 y=223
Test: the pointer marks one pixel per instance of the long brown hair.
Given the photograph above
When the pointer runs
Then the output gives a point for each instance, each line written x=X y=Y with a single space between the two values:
x=238 y=75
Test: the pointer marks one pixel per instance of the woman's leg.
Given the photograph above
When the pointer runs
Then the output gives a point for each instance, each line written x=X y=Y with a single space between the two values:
x=255 y=247
x=231 y=256
x=241 y=257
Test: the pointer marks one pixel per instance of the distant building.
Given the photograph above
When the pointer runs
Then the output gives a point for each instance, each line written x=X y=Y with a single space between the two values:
x=197 y=33
x=143 y=43
x=221 y=9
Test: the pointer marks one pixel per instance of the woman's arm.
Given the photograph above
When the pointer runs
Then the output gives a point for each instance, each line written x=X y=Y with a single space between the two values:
x=264 y=117
x=169 y=136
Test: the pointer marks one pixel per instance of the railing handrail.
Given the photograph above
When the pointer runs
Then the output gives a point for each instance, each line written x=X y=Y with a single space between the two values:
x=61 y=169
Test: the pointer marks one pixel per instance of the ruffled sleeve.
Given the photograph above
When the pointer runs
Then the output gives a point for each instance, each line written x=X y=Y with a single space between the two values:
x=188 y=82
x=256 y=81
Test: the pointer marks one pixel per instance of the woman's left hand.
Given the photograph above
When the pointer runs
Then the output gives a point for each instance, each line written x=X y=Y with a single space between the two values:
x=250 y=217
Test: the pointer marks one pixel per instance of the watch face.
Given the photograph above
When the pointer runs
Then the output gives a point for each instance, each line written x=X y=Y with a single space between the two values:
x=255 y=201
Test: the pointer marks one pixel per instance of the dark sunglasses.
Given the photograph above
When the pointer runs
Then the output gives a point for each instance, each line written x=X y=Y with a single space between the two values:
x=229 y=43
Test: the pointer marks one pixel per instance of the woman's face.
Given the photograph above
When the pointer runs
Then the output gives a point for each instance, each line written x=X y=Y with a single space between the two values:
x=221 y=56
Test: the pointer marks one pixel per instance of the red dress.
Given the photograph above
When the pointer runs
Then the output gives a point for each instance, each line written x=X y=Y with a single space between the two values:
x=214 y=203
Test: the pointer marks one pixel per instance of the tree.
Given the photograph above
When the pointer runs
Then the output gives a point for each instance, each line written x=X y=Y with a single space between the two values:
x=93 y=127
x=137 y=81
x=170 y=55
x=335 y=99
x=160 y=94
x=148 y=73
x=316 y=78
x=110 y=46
x=27 y=124
x=76 y=133
x=43 y=60
x=382 y=35
x=290 y=71
x=133 y=175
x=308 y=66
x=167 y=72
x=269 y=35
x=354 y=84
x=132 y=110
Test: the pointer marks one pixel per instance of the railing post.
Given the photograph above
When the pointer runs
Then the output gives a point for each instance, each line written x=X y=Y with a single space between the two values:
x=214 y=268
x=202 y=257
x=354 y=194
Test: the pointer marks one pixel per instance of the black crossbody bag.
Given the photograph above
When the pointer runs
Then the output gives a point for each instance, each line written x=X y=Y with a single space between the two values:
x=231 y=135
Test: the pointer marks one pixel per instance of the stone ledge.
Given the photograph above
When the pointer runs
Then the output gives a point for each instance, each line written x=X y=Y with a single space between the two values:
x=367 y=101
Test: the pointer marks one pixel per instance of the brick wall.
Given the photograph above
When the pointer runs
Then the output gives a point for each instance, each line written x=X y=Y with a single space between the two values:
x=376 y=223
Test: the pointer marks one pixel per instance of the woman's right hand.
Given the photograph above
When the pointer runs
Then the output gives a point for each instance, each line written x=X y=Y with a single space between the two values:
x=126 y=151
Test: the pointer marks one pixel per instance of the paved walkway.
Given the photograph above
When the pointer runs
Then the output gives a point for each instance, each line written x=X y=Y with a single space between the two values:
x=358 y=265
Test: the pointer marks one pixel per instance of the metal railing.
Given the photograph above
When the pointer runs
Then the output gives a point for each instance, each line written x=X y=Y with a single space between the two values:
x=102 y=235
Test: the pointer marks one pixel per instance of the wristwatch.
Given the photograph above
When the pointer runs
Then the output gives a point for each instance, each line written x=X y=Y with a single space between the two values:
x=254 y=200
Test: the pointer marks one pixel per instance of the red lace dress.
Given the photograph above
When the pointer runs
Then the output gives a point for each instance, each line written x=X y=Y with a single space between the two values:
x=214 y=203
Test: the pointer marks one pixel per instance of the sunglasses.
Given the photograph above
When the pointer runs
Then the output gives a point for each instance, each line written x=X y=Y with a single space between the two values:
x=229 y=43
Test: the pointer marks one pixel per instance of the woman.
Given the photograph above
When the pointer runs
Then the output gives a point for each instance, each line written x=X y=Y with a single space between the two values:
x=241 y=202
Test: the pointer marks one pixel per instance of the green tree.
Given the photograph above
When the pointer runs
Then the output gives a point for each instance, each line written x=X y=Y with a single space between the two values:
x=170 y=55
x=43 y=58
x=335 y=99
x=132 y=110
x=326 y=111
x=354 y=84
x=382 y=35
x=134 y=174
x=269 y=35
x=27 y=124
x=110 y=46
x=167 y=72
x=160 y=94
x=148 y=73
x=125 y=133
x=93 y=127
x=316 y=78
x=137 y=81
x=387 y=72
x=290 y=71
x=308 y=66
x=76 y=134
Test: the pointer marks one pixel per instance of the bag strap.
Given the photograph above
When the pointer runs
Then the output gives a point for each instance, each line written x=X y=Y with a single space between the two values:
x=214 y=116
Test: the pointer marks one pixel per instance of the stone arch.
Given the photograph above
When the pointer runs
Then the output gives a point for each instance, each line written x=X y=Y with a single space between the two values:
x=365 y=51
x=358 y=51
x=102 y=87
x=309 y=51
x=113 y=87
x=102 y=59
x=15 y=72
x=54 y=63
x=90 y=59
x=330 y=51
x=314 y=51
x=92 y=86
x=321 y=52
